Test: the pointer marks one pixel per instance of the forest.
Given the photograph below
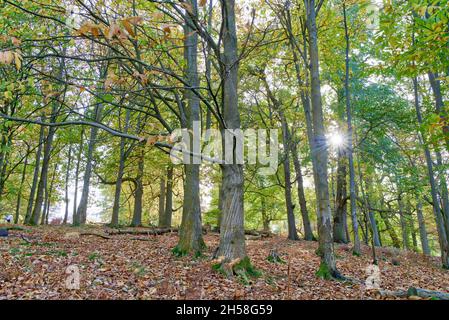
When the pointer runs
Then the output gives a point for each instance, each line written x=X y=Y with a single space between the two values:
x=222 y=149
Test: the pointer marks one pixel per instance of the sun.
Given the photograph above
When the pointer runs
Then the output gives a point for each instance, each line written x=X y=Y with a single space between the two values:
x=336 y=140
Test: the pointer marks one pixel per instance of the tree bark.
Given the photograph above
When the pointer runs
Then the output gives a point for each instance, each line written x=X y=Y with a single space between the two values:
x=308 y=233
x=161 y=222
x=439 y=220
x=340 y=201
x=352 y=186
x=439 y=105
x=43 y=178
x=22 y=180
x=121 y=169
x=190 y=233
x=169 y=198
x=138 y=192
x=292 y=234
x=77 y=171
x=35 y=176
x=81 y=212
x=232 y=235
x=67 y=178
x=319 y=152
x=422 y=229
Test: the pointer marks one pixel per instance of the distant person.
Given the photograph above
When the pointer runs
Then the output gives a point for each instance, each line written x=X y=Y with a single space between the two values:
x=9 y=218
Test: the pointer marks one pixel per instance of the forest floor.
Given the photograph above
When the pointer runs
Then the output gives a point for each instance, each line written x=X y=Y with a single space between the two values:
x=33 y=265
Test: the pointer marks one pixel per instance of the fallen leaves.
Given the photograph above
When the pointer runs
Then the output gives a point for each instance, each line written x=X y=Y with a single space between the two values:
x=119 y=268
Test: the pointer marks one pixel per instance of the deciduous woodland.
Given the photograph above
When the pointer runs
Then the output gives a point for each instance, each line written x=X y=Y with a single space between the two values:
x=100 y=199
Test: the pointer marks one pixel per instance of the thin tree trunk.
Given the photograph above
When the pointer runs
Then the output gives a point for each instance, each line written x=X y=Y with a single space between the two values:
x=67 y=178
x=439 y=105
x=22 y=181
x=439 y=220
x=40 y=196
x=77 y=170
x=81 y=212
x=352 y=186
x=403 y=220
x=161 y=222
x=169 y=197
x=138 y=192
x=422 y=229
x=121 y=169
x=35 y=176
x=48 y=195
x=308 y=233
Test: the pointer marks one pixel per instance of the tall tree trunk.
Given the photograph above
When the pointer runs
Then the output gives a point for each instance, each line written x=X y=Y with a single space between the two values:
x=232 y=232
x=422 y=229
x=220 y=203
x=191 y=235
x=161 y=222
x=352 y=186
x=4 y=157
x=265 y=217
x=77 y=171
x=67 y=178
x=328 y=266
x=22 y=181
x=35 y=176
x=169 y=197
x=81 y=212
x=404 y=224
x=138 y=192
x=48 y=194
x=439 y=220
x=308 y=233
x=292 y=234
x=44 y=177
x=439 y=105
x=444 y=191
x=121 y=169
x=340 y=201
x=47 y=152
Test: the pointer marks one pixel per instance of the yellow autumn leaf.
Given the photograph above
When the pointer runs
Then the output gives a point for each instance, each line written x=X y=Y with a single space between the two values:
x=128 y=27
x=18 y=60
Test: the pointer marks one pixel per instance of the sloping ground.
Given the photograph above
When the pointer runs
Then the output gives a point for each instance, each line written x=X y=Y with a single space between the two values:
x=125 y=268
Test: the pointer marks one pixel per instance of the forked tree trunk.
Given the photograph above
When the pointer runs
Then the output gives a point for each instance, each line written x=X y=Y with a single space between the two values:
x=37 y=163
x=40 y=196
